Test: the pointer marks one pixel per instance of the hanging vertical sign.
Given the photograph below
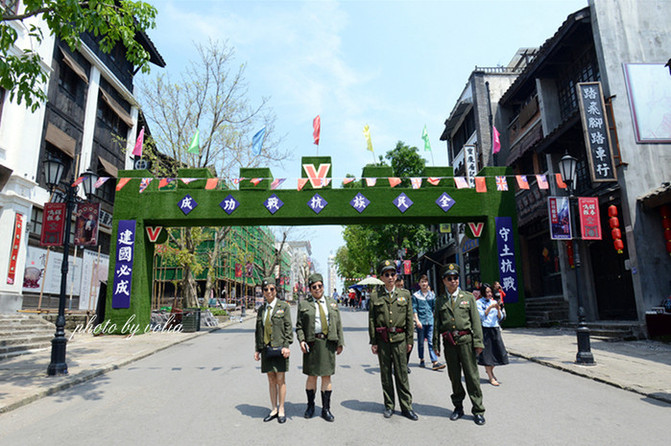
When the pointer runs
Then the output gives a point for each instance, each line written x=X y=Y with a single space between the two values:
x=590 y=220
x=596 y=132
x=506 y=248
x=470 y=160
x=16 y=244
x=86 y=224
x=123 y=272
x=53 y=220
x=560 y=218
x=407 y=267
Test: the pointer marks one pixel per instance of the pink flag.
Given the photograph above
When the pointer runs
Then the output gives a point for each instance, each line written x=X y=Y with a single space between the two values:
x=348 y=180
x=496 y=143
x=434 y=180
x=316 y=128
x=255 y=181
x=211 y=183
x=542 y=181
x=188 y=180
x=522 y=181
x=394 y=181
x=137 y=151
x=100 y=182
x=238 y=180
x=122 y=182
x=461 y=182
x=480 y=184
x=276 y=183
x=416 y=183
x=302 y=182
x=370 y=182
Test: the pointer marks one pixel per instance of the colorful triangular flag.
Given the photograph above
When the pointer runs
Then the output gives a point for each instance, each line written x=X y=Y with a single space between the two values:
x=122 y=182
x=194 y=147
x=188 y=180
x=366 y=134
x=425 y=137
x=394 y=181
x=137 y=151
x=276 y=183
x=255 y=181
x=370 y=182
x=480 y=184
x=348 y=180
x=522 y=181
x=461 y=182
x=501 y=183
x=144 y=183
x=434 y=180
x=496 y=140
x=560 y=181
x=257 y=141
x=302 y=182
x=100 y=182
x=78 y=181
x=542 y=182
x=416 y=183
x=316 y=129
x=167 y=183
x=238 y=180
x=211 y=183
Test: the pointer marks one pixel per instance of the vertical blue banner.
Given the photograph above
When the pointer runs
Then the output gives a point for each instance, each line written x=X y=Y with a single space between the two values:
x=506 y=248
x=123 y=272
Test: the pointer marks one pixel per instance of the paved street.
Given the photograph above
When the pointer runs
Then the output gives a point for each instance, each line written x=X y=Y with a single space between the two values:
x=209 y=390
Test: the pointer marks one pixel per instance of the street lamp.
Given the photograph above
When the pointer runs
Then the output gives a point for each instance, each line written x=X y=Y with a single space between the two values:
x=567 y=169
x=53 y=170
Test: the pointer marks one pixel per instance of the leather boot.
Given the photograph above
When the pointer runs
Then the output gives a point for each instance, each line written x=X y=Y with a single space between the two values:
x=310 y=411
x=326 y=406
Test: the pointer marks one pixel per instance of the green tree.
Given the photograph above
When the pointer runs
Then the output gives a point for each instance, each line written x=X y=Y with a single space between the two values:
x=210 y=96
x=113 y=22
x=367 y=245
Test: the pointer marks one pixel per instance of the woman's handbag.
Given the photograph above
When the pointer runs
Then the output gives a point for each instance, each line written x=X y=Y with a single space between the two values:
x=273 y=352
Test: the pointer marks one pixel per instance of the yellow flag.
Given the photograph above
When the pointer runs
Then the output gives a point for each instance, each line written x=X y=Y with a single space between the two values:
x=366 y=133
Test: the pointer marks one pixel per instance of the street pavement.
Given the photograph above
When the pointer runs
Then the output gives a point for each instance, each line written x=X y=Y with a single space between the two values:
x=209 y=380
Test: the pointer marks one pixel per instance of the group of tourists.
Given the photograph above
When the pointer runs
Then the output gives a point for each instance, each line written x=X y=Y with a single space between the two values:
x=468 y=330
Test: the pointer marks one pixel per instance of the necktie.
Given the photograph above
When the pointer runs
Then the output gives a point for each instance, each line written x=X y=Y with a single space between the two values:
x=454 y=300
x=267 y=328
x=322 y=318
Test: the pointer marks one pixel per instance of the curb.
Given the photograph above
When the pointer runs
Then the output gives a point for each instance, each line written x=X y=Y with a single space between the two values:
x=558 y=366
x=70 y=381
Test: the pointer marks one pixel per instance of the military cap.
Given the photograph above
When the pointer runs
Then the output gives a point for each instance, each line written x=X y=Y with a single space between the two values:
x=315 y=277
x=451 y=269
x=386 y=265
x=268 y=281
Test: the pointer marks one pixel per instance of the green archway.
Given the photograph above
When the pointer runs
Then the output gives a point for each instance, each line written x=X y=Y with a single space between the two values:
x=245 y=207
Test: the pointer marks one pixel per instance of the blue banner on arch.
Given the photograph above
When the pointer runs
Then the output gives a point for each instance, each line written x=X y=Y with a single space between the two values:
x=123 y=272
x=507 y=263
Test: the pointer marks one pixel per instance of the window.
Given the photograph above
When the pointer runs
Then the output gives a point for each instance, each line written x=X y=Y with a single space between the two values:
x=69 y=81
x=54 y=152
x=584 y=69
x=36 y=221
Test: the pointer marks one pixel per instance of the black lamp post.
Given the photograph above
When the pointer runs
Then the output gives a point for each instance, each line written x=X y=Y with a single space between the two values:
x=567 y=169
x=53 y=171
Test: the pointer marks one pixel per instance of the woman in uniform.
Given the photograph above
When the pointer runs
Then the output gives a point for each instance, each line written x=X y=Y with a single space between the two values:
x=319 y=331
x=273 y=337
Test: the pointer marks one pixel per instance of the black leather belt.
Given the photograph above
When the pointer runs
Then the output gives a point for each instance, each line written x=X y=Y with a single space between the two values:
x=320 y=336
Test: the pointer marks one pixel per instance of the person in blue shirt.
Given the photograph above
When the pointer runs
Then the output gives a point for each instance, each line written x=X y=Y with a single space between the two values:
x=495 y=351
x=423 y=303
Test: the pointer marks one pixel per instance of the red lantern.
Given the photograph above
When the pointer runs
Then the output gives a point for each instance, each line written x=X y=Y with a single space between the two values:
x=619 y=246
x=616 y=233
x=665 y=210
x=612 y=210
x=614 y=222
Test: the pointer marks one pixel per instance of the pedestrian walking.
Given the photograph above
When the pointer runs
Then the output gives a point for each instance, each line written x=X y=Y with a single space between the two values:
x=423 y=304
x=319 y=332
x=457 y=323
x=390 y=326
x=495 y=351
x=273 y=336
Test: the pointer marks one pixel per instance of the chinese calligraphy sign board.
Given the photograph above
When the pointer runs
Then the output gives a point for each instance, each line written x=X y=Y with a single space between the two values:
x=507 y=263
x=53 y=221
x=596 y=132
x=123 y=270
x=470 y=159
x=590 y=221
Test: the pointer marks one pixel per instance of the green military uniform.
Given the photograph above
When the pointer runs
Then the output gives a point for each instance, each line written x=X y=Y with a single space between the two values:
x=463 y=322
x=281 y=335
x=320 y=360
x=390 y=327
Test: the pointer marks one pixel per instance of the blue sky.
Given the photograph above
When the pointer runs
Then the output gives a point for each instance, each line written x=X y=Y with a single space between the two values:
x=394 y=65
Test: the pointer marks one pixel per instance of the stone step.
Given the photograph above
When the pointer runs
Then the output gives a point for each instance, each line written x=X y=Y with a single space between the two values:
x=27 y=340
x=18 y=350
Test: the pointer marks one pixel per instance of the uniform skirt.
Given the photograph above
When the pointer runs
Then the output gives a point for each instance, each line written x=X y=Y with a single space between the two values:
x=320 y=361
x=495 y=352
x=279 y=364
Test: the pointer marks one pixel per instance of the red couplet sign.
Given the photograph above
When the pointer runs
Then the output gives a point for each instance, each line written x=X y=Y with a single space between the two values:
x=53 y=221
x=590 y=221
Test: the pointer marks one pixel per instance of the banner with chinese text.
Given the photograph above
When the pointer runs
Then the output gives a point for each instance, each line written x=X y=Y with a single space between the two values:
x=596 y=132
x=123 y=272
x=507 y=264
x=590 y=220
x=53 y=221
x=559 y=216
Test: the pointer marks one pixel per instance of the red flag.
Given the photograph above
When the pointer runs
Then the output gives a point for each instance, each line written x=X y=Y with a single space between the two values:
x=480 y=184
x=122 y=182
x=461 y=182
x=522 y=181
x=255 y=181
x=211 y=183
x=78 y=181
x=302 y=182
x=394 y=181
x=542 y=182
x=137 y=151
x=560 y=181
x=316 y=128
x=347 y=180
x=496 y=143
x=434 y=180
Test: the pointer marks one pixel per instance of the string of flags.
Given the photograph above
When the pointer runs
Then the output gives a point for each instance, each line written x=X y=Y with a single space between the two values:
x=460 y=182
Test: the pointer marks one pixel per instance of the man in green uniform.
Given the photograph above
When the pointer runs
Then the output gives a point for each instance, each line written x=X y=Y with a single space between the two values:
x=390 y=328
x=457 y=323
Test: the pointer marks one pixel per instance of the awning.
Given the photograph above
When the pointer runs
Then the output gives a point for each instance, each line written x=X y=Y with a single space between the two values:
x=61 y=140
x=109 y=167
x=118 y=109
x=78 y=69
x=656 y=197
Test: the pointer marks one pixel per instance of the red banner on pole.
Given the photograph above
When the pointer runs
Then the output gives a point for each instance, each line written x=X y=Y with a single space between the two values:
x=86 y=224
x=16 y=244
x=407 y=268
x=238 y=270
x=53 y=221
x=590 y=221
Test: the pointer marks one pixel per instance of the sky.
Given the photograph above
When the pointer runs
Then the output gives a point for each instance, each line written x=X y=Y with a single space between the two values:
x=395 y=65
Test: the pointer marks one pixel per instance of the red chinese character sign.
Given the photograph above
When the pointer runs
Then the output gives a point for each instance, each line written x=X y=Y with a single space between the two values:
x=590 y=221
x=16 y=245
x=86 y=224
x=53 y=220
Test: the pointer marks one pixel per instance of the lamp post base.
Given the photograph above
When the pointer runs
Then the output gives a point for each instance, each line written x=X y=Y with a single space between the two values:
x=58 y=366
x=584 y=356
